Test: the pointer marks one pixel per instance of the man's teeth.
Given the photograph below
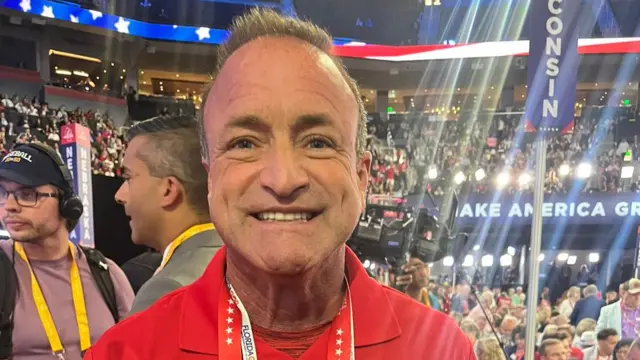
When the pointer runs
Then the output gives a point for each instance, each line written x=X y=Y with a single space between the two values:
x=278 y=216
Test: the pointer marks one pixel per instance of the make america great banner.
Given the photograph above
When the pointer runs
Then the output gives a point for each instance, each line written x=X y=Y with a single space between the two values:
x=584 y=209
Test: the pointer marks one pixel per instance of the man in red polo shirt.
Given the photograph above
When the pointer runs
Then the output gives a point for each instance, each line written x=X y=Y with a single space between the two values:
x=283 y=140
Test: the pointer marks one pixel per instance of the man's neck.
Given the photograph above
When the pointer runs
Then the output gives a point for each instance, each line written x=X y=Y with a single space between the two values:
x=53 y=247
x=172 y=229
x=289 y=303
x=414 y=291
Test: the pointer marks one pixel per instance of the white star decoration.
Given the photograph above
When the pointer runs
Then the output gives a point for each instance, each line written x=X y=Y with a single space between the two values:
x=203 y=33
x=229 y=341
x=25 y=5
x=122 y=26
x=339 y=342
x=339 y=332
x=229 y=320
x=338 y=352
x=95 y=14
x=230 y=310
x=74 y=19
x=229 y=330
x=47 y=11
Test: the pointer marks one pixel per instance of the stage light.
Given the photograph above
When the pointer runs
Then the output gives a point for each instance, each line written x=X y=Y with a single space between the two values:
x=594 y=257
x=459 y=178
x=563 y=256
x=366 y=263
x=468 y=261
x=541 y=257
x=447 y=261
x=476 y=247
x=430 y=265
x=487 y=261
x=572 y=260
x=626 y=172
x=480 y=174
x=564 y=170
x=584 y=170
x=433 y=173
x=506 y=260
x=63 y=72
x=503 y=179
x=524 y=179
x=511 y=251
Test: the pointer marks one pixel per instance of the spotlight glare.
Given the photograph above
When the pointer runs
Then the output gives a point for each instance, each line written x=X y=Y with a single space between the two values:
x=480 y=174
x=563 y=256
x=433 y=173
x=503 y=179
x=584 y=170
x=594 y=257
x=447 y=261
x=459 y=178
x=564 y=170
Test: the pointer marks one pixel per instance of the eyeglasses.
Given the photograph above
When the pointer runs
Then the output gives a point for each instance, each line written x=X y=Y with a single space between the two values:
x=25 y=197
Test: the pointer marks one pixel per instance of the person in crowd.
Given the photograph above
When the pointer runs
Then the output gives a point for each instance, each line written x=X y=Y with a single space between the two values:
x=566 y=340
x=470 y=330
x=54 y=280
x=583 y=326
x=624 y=315
x=489 y=349
x=571 y=333
x=141 y=268
x=611 y=297
x=505 y=330
x=552 y=349
x=283 y=139
x=621 y=351
x=478 y=315
x=588 y=339
x=518 y=342
x=567 y=305
x=460 y=302
x=163 y=194
x=418 y=278
x=588 y=307
x=604 y=349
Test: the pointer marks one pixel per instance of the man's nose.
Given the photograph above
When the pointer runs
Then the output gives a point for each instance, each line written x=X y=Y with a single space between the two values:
x=283 y=173
x=11 y=204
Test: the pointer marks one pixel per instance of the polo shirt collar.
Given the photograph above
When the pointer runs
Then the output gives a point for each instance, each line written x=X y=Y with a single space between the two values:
x=198 y=329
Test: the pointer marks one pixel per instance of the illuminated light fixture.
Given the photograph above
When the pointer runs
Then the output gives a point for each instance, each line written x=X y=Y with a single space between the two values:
x=626 y=172
x=433 y=173
x=511 y=251
x=468 y=261
x=367 y=263
x=487 y=261
x=160 y=82
x=144 y=83
x=459 y=178
x=178 y=90
x=124 y=70
x=112 y=64
x=563 y=256
x=541 y=257
x=55 y=67
x=480 y=174
x=564 y=170
x=63 y=72
x=177 y=75
x=506 y=260
x=572 y=260
x=476 y=247
x=105 y=71
x=524 y=179
x=594 y=257
x=141 y=72
x=74 y=56
x=447 y=261
x=121 y=77
x=430 y=265
x=80 y=73
x=503 y=179
x=97 y=77
x=584 y=170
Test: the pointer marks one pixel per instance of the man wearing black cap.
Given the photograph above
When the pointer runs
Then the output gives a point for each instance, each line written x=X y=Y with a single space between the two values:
x=60 y=309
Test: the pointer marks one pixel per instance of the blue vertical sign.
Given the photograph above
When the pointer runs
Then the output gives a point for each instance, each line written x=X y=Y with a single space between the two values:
x=75 y=148
x=553 y=66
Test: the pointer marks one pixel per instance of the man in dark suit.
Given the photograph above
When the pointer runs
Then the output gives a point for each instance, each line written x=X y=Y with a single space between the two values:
x=165 y=194
x=587 y=307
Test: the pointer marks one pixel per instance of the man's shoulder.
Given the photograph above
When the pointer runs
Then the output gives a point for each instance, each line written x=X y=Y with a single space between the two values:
x=6 y=246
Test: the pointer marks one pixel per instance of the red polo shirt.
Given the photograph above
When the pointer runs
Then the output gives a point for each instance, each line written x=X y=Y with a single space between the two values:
x=183 y=325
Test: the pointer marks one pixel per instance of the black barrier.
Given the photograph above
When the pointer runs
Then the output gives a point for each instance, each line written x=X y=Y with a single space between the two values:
x=112 y=231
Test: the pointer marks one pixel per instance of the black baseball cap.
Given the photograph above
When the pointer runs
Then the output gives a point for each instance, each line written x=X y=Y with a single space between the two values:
x=31 y=167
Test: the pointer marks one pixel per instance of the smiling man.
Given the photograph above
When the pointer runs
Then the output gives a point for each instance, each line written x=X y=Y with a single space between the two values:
x=283 y=140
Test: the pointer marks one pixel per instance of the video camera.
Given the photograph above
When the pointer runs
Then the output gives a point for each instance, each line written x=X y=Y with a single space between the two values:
x=390 y=234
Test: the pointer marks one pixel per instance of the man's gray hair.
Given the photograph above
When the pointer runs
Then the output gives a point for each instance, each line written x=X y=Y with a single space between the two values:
x=261 y=23
x=590 y=290
x=172 y=149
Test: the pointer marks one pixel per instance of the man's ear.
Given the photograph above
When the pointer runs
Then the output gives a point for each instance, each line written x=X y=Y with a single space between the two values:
x=172 y=192
x=364 y=168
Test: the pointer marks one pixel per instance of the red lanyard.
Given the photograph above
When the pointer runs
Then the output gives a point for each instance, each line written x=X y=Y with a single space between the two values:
x=236 y=341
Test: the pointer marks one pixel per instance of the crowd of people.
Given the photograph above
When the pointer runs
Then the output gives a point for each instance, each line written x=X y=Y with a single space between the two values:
x=583 y=323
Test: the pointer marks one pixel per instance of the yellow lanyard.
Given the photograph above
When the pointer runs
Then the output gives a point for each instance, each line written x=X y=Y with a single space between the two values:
x=43 y=309
x=168 y=253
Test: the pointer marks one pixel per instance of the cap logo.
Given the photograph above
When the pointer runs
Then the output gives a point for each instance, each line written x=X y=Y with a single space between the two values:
x=17 y=156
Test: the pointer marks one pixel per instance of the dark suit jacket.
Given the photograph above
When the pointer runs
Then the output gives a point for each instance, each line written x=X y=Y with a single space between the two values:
x=185 y=266
x=587 y=308
x=141 y=268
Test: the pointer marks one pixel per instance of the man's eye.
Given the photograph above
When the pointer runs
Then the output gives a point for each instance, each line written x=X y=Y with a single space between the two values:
x=319 y=143
x=242 y=144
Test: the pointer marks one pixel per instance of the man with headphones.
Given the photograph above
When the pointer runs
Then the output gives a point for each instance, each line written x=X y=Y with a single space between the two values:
x=60 y=309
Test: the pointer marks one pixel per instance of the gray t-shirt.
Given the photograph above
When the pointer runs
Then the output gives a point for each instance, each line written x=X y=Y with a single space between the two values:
x=29 y=339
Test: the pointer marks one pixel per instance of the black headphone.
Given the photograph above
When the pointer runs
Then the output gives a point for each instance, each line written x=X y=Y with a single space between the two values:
x=70 y=205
